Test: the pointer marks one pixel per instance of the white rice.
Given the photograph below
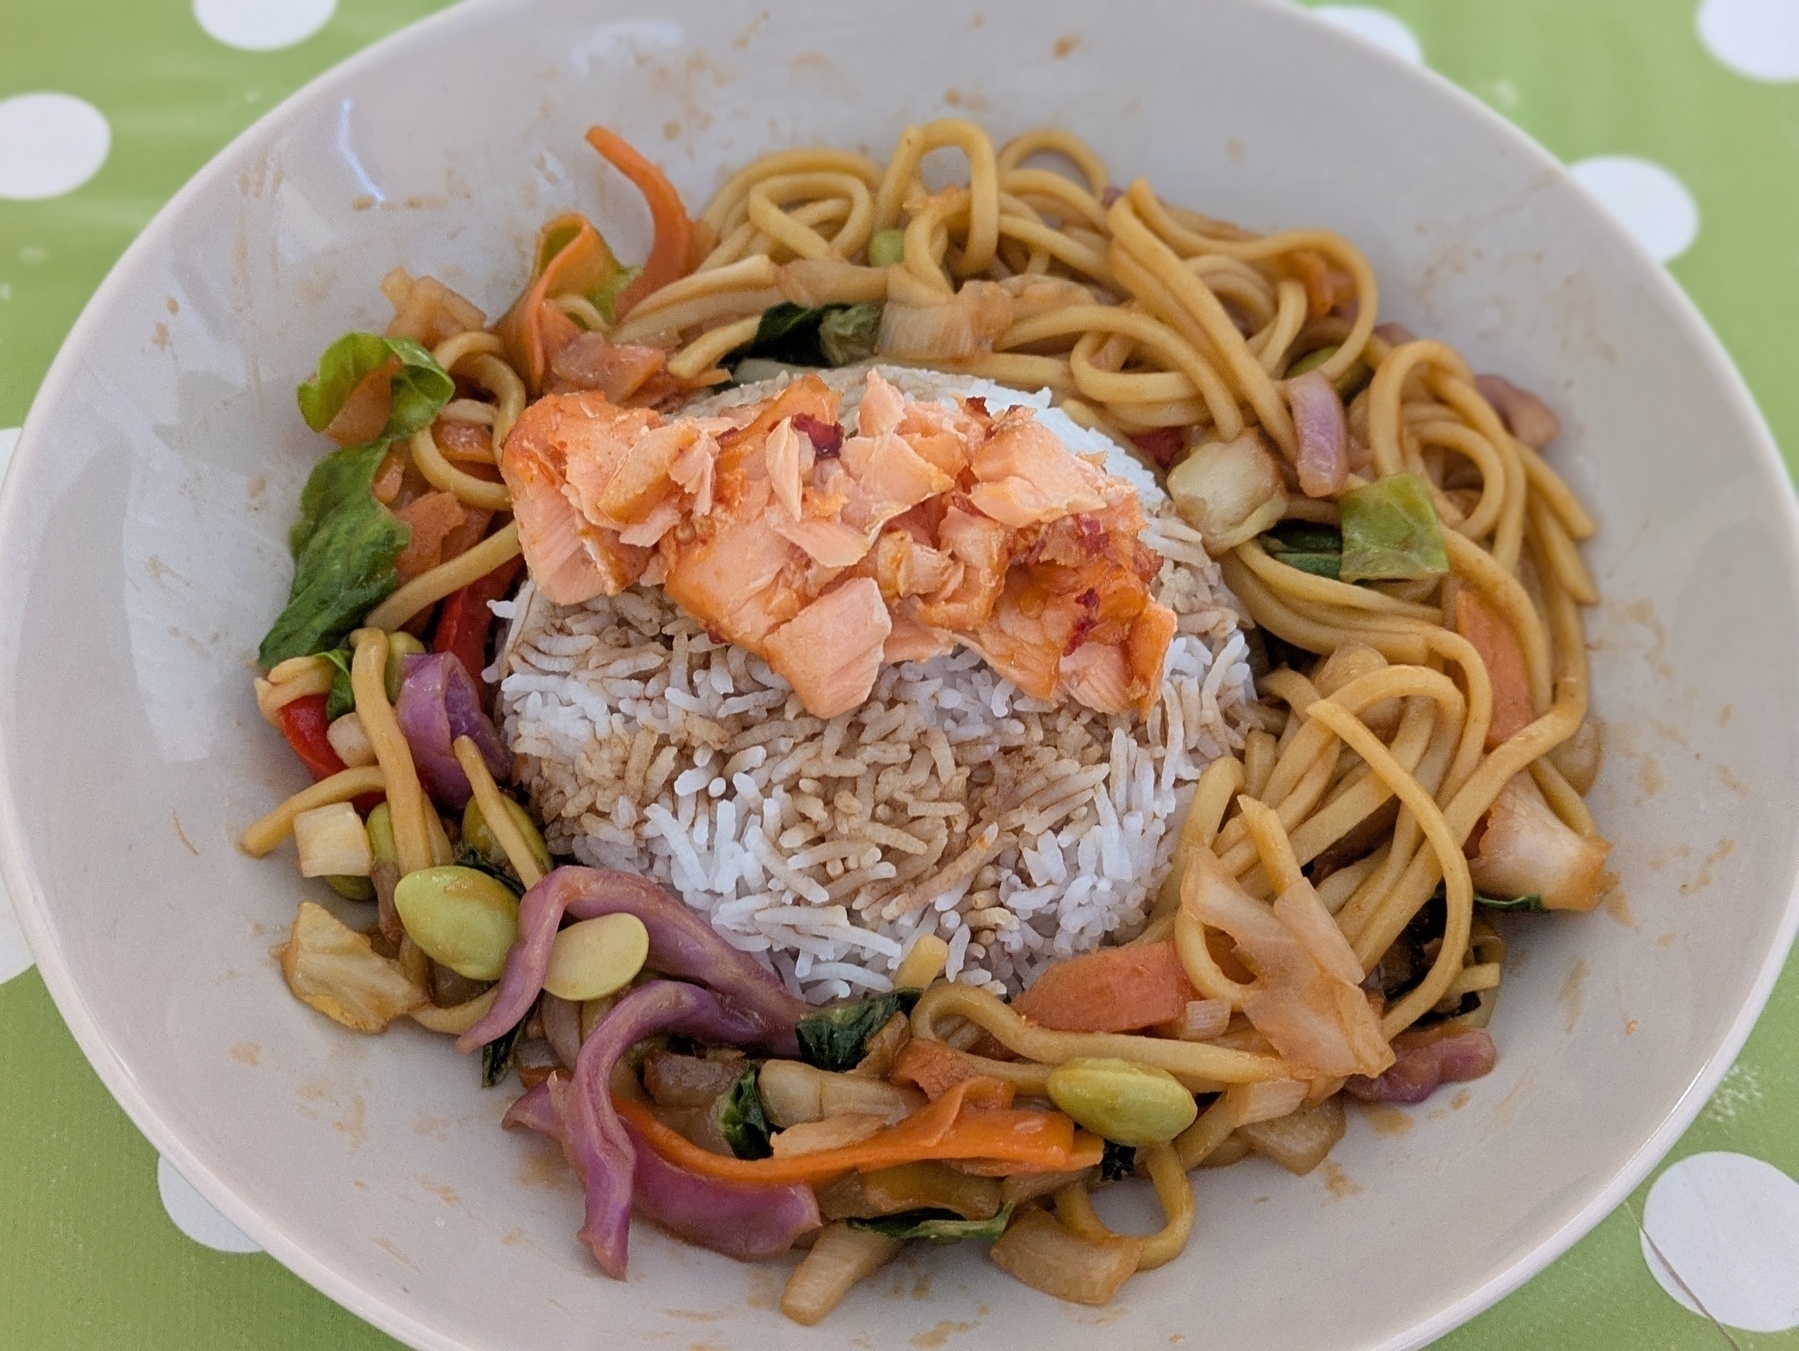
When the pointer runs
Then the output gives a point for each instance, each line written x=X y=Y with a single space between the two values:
x=1022 y=831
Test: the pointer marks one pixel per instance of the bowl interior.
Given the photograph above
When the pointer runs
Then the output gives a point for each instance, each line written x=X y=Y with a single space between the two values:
x=143 y=538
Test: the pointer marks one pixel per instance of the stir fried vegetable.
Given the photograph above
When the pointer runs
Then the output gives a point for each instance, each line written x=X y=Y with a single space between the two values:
x=462 y=918
x=497 y=1055
x=740 y=1118
x=336 y=970
x=840 y=1257
x=886 y=248
x=1046 y=1257
x=834 y=1038
x=416 y=386
x=1531 y=904
x=674 y=232
x=340 y=701
x=345 y=547
x=934 y=1225
x=1390 y=532
x=1025 y=1140
x=1317 y=549
x=828 y=335
x=1118 y=1161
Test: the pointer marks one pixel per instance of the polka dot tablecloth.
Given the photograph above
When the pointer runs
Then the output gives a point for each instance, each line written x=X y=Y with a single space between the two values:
x=1681 y=116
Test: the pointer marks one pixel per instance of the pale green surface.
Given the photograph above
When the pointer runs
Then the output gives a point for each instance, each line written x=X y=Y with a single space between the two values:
x=87 y=1256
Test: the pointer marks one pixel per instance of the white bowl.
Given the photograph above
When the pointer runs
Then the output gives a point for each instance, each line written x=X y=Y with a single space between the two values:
x=141 y=557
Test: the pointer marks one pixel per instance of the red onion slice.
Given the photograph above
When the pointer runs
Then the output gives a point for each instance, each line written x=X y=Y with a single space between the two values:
x=748 y=1221
x=1425 y=1062
x=681 y=944
x=1525 y=415
x=438 y=703
x=1323 y=458
x=593 y=1136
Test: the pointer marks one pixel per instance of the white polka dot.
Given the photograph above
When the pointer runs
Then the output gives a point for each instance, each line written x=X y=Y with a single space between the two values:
x=1376 y=26
x=1648 y=201
x=262 y=25
x=1728 y=1225
x=1757 y=38
x=194 y=1215
x=49 y=144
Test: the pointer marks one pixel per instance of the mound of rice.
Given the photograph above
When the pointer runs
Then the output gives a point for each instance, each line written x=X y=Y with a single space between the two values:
x=1022 y=831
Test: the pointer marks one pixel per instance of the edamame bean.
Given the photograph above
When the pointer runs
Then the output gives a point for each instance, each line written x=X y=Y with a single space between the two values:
x=460 y=918
x=351 y=888
x=595 y=957
x=399 y=647
x=1126 y=1103
x=381 y=835
x=887 y=248
x=476 y=836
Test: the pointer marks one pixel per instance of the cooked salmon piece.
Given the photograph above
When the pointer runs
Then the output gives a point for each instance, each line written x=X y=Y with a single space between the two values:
x=692 y=472
x=1026 y=475
x=882 y=407
x=981 y=545
x=1022 y=641
x=912 y=641
x=829 y=555
x=571 y=559
x=593 y=361
x=1098 y=675
x=831 y=651
x=828 y=542
x=1145 y=651
x=808 y=395
x=904 y=567
x=787 y=456
x=887 y=478
x=739 y=580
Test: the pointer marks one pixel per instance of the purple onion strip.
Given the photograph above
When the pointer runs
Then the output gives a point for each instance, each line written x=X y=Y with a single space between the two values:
x=739 y=1219
x=438 y=703
x=593 y=1137
x=1323 y=458
x=681 y=944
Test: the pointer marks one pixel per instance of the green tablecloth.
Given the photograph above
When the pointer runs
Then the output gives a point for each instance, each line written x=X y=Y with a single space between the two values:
x=1684 y=116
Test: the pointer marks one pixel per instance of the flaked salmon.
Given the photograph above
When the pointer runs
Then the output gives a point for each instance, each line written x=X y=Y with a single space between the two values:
x=829 y=551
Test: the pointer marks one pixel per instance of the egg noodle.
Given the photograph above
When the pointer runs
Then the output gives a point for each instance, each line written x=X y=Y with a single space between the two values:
x=1412 y=723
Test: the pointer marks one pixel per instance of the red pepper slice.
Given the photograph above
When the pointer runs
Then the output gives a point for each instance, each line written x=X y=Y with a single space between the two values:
x=303 y=723
x=465 y=621
x=1163 y=445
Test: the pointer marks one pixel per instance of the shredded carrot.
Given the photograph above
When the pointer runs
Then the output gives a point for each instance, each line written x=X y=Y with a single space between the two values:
x=1487 y=632
x=1112 y=990
x=571 y=259
x=950 y=1128
x=434 y=517
x=932 y=1066
x=668 y=258
x=1088 y=1150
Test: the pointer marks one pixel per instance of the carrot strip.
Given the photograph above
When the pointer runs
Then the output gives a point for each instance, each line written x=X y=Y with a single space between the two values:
x=1112 y=990
x=1088 y=1150
x=949 y=1128
x=933 y=1067
x=571 y=259
x=1487 y=632
x=668 y=258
